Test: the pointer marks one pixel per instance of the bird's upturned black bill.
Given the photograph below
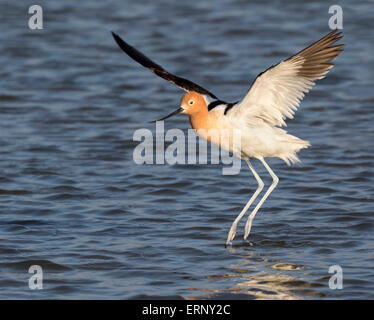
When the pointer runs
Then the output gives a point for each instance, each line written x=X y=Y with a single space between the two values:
x=171 y=114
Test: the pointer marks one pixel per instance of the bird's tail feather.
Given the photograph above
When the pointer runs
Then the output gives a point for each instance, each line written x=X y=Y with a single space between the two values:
x=291 y=156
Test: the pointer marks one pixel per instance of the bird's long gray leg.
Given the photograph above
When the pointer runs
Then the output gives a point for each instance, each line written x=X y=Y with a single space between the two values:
x=248 y=225
x=232 y=232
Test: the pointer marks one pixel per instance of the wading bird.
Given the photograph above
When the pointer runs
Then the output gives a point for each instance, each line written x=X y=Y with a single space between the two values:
x=274 y=96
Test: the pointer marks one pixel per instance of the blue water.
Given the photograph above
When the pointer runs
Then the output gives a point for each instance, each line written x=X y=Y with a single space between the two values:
x=73 y=201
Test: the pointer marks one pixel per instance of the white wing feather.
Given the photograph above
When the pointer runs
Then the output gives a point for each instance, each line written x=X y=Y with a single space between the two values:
x=277 y=92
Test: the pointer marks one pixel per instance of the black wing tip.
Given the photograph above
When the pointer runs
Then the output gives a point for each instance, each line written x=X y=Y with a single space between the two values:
x=118 y=39
x=124 y=45
x=136 y=55
x=114 y=34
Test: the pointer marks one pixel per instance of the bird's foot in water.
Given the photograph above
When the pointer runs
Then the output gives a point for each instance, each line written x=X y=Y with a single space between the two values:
x=247 y=228
x=231 y=235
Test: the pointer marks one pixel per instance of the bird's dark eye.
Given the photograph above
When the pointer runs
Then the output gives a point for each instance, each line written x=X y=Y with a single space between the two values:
x=191 y=102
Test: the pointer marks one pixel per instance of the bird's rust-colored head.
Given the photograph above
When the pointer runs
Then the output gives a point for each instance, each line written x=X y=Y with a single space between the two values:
x=193 y=103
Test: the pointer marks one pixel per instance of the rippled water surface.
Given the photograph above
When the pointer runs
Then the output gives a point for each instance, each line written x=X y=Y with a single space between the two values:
x=73 y=201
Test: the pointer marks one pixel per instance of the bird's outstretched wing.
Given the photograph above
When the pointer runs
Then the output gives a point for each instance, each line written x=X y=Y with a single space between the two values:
x=276 y=93
x=139 y=57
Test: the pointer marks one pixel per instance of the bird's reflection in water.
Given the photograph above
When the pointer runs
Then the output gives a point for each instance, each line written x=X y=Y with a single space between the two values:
x=258 y=278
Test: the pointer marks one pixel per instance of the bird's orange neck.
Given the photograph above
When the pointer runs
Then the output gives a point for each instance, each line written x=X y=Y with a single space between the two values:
x=200 y=119
x=209 y=127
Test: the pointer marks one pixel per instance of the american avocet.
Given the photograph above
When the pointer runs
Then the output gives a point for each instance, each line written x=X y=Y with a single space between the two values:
x=274 y=96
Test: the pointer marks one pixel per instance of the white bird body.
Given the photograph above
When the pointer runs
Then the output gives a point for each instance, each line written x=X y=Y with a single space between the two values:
x=259 y=139
x=273 y=97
